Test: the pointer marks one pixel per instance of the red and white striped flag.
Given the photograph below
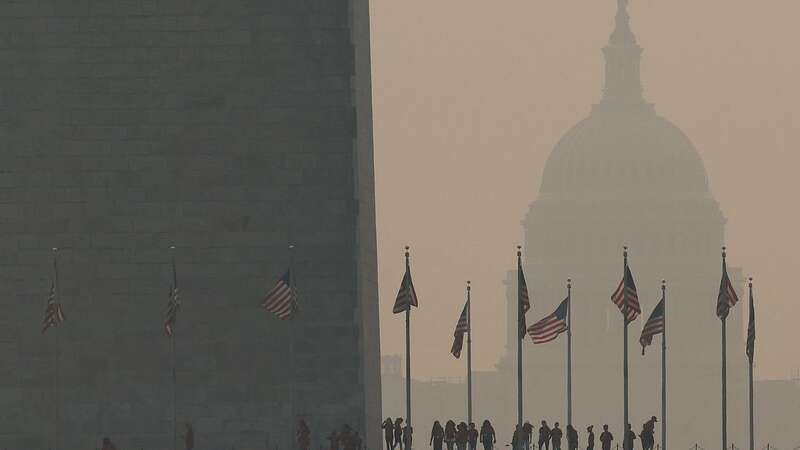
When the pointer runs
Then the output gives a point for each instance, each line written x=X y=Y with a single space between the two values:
x=626 y=298
x=53 y=314
x=727 y=297
x=282 y=299
x=462 y=327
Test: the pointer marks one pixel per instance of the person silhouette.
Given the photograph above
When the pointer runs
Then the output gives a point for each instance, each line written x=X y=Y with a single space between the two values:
x=648 y=434
x=303 y=435
x=527 y=434
x=544 y=436
x=107 y=445
x=398 y=433
x=555 y=435
x=437 y=436
x=450 y=434
x=590 y=439
x=572 y=437
x=333 y=440
x=605 y=438
x=472 y=436
x=461 y=436
x=356 y=441
x=408 y=436
x=516 y=438
x=630 y=436
x=487 y=435
x=346 y=437
x=388 y=433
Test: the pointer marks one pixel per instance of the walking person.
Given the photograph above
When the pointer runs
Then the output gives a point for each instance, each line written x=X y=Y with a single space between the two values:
x=357 y=441
x=527 y=435
x=648 y=434
x=450 y=434
x=487 y=435
x=461 y=436
x=303 y=435
x=472 y=436
x=398 y=433
x=630 y=436
x=437 y=436
x=544 y=436
x=572 y=437
x=107 y=445
x=408 y=436
x=388 y=433
x=346 y=438
x=555 y=436
x=605 y=438
x=516 y=438
x=590 y=439
x=333 y=440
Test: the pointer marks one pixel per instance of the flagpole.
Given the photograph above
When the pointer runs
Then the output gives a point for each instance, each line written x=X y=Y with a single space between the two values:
x=724 y=370
x=519 y=342
x=174 y=364
x=750 y=375
x=664 y=369
x=408 y=350
x=569 y=351
x=57 y=357
x=292 y=405
x=625 y=352
x=469 y=354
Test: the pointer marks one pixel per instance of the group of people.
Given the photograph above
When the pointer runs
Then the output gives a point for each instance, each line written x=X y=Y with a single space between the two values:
x=462 y=435
x=396 y=434
x=465 y=436
x=346 y=439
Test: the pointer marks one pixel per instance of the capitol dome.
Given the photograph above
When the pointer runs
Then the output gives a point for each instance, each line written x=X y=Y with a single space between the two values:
x=624 y=146
x=636 y=154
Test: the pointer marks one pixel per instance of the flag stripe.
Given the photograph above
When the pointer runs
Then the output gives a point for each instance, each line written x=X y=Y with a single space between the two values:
x=462 y=327
x=406 y=296
x=53 y=314
x=551 y=326
x=281 y=300
x=626 y=298
x=751 y=329
x=727 y=294
x=523 y=298
x=654 y=325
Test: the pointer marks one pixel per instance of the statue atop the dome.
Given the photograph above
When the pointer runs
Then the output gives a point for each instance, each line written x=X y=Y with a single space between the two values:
x=622 y=32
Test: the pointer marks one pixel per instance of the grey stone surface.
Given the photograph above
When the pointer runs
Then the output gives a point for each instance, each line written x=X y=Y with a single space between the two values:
x=226 y=128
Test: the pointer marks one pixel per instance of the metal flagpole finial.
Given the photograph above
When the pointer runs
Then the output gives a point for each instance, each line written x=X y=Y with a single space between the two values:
x=750 y=282
x=663 y=284
x=724 y=252
x=469 y=287
x=519 y=251
x=569 y=282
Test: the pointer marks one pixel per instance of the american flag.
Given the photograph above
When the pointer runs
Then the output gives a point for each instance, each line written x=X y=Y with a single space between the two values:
x=171 y=313
x=282 y=299
x=407 y=296
x=462 y=327
x=653 y=326
x=522 y=298
x=626 y=298
x=751 y=328
x=727 y=294
x=551 y=326
x=53 y=314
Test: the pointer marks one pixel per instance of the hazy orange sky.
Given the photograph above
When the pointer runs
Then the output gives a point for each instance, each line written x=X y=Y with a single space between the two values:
x=471 y=96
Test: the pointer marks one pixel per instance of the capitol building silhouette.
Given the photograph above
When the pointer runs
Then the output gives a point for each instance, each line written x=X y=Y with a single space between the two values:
x=623 y=176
